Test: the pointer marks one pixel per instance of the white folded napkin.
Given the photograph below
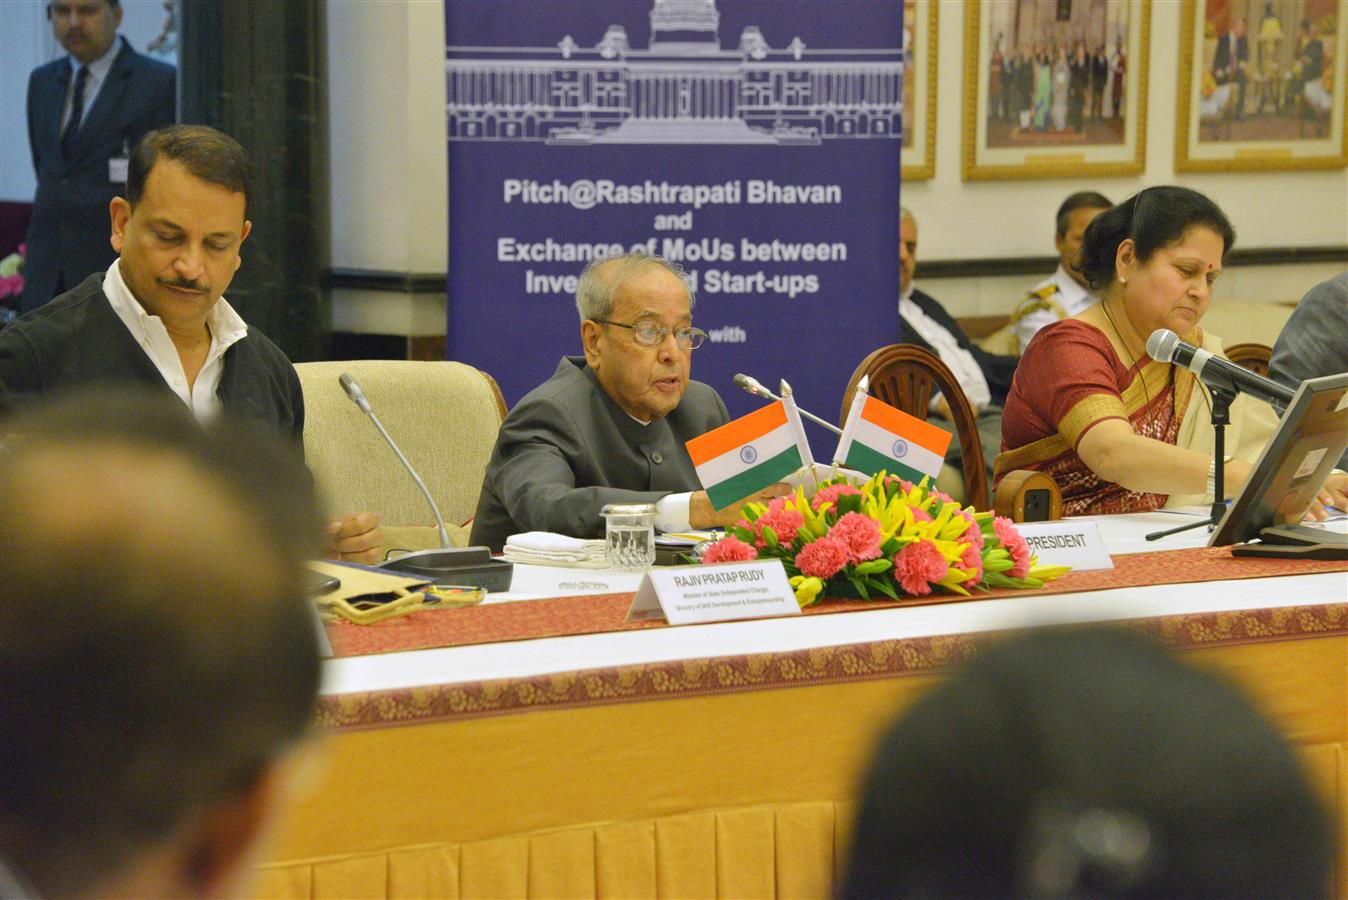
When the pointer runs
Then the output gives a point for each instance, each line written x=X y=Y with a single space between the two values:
x=547 y=548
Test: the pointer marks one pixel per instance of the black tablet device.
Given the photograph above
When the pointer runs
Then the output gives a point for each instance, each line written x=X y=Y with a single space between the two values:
x=1289 y=473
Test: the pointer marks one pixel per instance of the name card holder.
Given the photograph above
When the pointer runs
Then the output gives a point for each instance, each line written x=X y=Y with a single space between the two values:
x=689 y=595
x=1068 y=542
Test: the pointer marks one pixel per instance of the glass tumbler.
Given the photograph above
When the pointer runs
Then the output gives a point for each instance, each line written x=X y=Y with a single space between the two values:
x=629 y=531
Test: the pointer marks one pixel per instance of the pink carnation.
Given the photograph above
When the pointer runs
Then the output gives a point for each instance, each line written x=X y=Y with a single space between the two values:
x=940 y=496
x=784 y=520
x=831 y=494
x=729 y=549
x=972 y=561
x=1015 y=545
x=973 y=534
x=920 y=514
x=918 y=566
x=861 y=535
x=822 y=558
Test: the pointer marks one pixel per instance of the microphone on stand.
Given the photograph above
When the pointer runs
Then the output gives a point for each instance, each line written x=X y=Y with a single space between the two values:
x=443 y=564
x=1217 y=373
x=751 y=385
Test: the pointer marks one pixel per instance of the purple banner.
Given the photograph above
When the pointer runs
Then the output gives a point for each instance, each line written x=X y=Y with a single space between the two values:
x=756 y=143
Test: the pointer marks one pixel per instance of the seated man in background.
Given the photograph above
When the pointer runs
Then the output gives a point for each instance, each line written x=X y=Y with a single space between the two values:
x=1314 y=341
x=1065 y=293
x=610 y=426
x=159 y=658
x=1087 y=763
x=985 y=377
x=158 y=317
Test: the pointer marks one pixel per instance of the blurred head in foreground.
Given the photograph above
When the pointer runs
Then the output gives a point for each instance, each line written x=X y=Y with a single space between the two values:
x=1086 y=763
x=156 y=652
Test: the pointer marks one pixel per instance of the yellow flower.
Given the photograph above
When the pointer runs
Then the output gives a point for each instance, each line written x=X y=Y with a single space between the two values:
x=807 y=589
x=1048 y=573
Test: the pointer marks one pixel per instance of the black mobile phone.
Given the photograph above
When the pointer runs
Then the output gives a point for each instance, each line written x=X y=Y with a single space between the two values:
x=317 y=583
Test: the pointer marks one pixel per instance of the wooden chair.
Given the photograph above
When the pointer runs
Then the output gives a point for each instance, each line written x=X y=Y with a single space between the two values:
x=904 y=376
x=1252 y=356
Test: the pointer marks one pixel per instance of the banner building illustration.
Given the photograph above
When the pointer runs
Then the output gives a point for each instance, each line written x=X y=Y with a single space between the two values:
x=754 y=143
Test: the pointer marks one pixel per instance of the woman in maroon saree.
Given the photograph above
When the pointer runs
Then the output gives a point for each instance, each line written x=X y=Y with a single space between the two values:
x=1088 y=406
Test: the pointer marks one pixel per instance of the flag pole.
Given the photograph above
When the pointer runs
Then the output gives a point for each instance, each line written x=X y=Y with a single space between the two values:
x=798 y=430
x=853 y=415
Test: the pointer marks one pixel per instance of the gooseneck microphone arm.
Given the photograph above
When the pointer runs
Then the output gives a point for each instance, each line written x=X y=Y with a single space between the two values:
x=1224 y=380
x=358 y=397
x=751 y=385
x=1217 y=373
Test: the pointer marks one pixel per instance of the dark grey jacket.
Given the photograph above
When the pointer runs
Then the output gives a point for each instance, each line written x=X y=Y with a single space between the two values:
x=567 y=449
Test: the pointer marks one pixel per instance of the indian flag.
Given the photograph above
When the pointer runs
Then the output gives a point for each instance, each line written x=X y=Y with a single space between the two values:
x=750 y=453
x=877 y=436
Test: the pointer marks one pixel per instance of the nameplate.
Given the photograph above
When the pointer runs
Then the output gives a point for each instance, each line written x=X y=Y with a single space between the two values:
x=1067 y=543
x=688 y=595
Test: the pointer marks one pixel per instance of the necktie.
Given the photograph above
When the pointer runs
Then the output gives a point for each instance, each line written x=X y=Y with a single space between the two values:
x=76 y=111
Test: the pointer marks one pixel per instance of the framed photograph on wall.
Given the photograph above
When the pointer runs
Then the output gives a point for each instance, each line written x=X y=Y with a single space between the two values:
x=1055 y=88
x=1261 y=86
x=919 y=90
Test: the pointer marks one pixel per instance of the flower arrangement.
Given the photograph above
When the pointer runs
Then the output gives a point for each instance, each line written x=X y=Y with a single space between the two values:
x=11 y=284
x=884 y=538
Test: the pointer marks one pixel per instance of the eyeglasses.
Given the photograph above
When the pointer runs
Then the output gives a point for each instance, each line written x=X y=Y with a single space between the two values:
x=650 y=334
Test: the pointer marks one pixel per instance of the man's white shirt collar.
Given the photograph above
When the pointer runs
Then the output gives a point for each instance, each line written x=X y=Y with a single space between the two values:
x=1075 y=298
x=226 y=328
x=98 y=73
x=98 y=69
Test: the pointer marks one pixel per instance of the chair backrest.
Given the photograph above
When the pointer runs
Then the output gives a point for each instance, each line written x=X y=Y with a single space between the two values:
x=444 y=415
x=904 y=376
x=1252 y=356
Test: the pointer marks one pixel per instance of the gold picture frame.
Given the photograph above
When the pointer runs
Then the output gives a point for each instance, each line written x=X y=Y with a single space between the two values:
x=1074 y=101
x=921 y=28
x=1280 y=107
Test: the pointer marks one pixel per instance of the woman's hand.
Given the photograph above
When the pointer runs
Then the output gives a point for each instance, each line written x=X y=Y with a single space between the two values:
x=1234 y=476
x=1334 y=493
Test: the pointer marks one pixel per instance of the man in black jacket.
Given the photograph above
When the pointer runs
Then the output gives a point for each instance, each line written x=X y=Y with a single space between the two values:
x=157 y=317
x=985 y=377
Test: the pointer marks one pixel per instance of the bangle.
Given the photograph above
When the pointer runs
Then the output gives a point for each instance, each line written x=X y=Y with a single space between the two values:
x=1212 y=478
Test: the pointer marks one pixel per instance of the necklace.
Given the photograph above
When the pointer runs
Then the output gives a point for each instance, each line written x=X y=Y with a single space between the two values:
x=1132 y=361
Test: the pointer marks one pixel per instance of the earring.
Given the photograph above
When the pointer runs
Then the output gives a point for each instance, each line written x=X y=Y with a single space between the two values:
x=1122 y=280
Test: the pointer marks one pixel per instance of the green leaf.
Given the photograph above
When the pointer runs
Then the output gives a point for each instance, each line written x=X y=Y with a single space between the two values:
x=770 y=537
x=860 y=585
x=884 y=587
x=874 y=567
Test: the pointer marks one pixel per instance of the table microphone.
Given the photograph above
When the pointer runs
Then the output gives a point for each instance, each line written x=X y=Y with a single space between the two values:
x=1217 y=373
x=421 y=562
x=751 y=385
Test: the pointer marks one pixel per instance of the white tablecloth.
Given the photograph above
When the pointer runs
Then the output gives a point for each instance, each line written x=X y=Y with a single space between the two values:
x=1123 y=534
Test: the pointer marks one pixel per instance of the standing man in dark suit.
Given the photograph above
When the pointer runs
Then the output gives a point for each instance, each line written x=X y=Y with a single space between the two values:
x=1232 y=62
x=86 y=112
